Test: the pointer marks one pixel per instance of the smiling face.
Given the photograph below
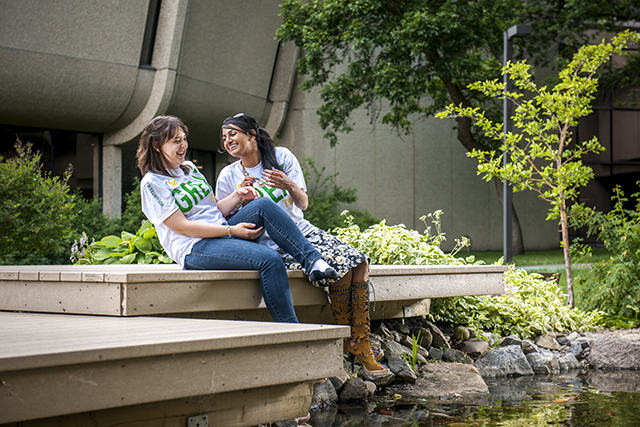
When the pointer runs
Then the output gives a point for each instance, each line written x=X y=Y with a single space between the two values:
x=174 y=150
x=237 y=142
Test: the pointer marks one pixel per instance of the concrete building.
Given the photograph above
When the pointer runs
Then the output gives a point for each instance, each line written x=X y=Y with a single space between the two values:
x=81 y=79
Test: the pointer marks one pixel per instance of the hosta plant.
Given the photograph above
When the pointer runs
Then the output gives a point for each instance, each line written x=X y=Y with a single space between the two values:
x=395 y=244
x=529 y=306
x=140 y=248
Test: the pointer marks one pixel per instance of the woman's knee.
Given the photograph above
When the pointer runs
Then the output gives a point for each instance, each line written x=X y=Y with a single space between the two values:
x=262 y=202
x=273 y=257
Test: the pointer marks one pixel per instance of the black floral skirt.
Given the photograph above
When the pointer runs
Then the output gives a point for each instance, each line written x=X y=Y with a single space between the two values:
x=339 y=255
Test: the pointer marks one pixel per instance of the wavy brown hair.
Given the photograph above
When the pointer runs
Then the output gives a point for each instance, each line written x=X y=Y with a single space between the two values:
x=159 y=131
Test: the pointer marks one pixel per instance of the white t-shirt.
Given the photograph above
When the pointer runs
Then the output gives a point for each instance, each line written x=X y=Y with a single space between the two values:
x=191 y=193
x=232 y=175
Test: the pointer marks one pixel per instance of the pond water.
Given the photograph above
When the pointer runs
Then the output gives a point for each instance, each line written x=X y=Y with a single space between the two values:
x=589 y=399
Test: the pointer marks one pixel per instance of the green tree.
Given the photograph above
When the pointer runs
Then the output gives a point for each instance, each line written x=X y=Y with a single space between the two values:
x=36 y=210
x=421 y=55
x=544 y=156
x=611 y=285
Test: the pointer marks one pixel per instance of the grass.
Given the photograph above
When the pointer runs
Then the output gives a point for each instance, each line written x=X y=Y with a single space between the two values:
x=540 y=259
x=531 y=258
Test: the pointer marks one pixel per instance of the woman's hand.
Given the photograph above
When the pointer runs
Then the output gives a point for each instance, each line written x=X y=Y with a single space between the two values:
x=279 y=179
x=245 y=230
x=248 y=181
x=247 y=193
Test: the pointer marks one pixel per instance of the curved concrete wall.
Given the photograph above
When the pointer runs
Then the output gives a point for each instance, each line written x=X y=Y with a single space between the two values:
x=75 y=64
x=226 y=64
x=70 y=65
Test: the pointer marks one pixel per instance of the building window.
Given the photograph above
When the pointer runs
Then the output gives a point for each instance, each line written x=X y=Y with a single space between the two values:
x=150 y=29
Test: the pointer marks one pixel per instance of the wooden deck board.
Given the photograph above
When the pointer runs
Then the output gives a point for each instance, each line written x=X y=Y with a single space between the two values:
x=38 y=340
x=53 y=365
x=136 y=290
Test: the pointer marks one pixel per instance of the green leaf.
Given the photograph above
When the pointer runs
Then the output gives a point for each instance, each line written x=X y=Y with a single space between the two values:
x=111 y=241
x=143 y=245
x=128 y=259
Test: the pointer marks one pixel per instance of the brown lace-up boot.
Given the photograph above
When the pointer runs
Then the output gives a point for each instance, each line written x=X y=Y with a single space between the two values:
x=341 y=303
x=360 y=344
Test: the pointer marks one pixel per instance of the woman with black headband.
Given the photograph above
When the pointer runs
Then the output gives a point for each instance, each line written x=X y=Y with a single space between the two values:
x=275 y=173
x=191 y=223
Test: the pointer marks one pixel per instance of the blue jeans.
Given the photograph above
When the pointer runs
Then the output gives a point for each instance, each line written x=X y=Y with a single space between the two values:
x=224 y=253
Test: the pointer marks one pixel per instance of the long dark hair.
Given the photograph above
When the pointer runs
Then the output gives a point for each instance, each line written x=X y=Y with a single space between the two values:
x=160 y=130
x=250 y=126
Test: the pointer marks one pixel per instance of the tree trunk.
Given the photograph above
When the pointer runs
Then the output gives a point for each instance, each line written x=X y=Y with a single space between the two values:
x=517 y=240
x=565 y=249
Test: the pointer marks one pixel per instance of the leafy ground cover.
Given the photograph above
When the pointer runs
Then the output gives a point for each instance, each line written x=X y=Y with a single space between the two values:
x=531 y=304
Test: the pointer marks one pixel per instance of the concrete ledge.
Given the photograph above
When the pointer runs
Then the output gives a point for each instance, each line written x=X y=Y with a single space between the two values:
x=55 y=365
x=132 y=290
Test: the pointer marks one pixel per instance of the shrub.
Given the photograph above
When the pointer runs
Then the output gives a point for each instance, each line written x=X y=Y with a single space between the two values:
x=91 y=221
x=530 y=304
x=91 y=224
x=133 y=217
x=612 y=284
x=36 y=210
x=396 y=244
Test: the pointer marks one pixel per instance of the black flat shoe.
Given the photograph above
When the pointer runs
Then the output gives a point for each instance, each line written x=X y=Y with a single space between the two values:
x=329 y=273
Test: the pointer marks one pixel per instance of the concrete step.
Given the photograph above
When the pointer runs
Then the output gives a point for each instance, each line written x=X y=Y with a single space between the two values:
x=132 y=290
x=72 y=369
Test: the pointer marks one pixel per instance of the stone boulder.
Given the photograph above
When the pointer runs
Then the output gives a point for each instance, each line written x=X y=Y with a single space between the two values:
x=504 y=361
x=394 y=349
x=401 y=370
x=543 y=363
x=461 y=333
x=439 y=339
x=371 y=388
x=568 y=362
x=402 y=328
x=611 y=352
x=324 y=394
x=444 y=380
x=339 y=380
x=576 y=349
x=453 y=355
x=354 y=389
x=510 y=340
x=474 y=347
x=435 y=353
x=425 y=336
x=529 y=347
x=548 y=342
x=385 y=333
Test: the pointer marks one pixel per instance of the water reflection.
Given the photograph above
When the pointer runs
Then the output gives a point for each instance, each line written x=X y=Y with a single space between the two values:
x=628 y=381
x=597 y=398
